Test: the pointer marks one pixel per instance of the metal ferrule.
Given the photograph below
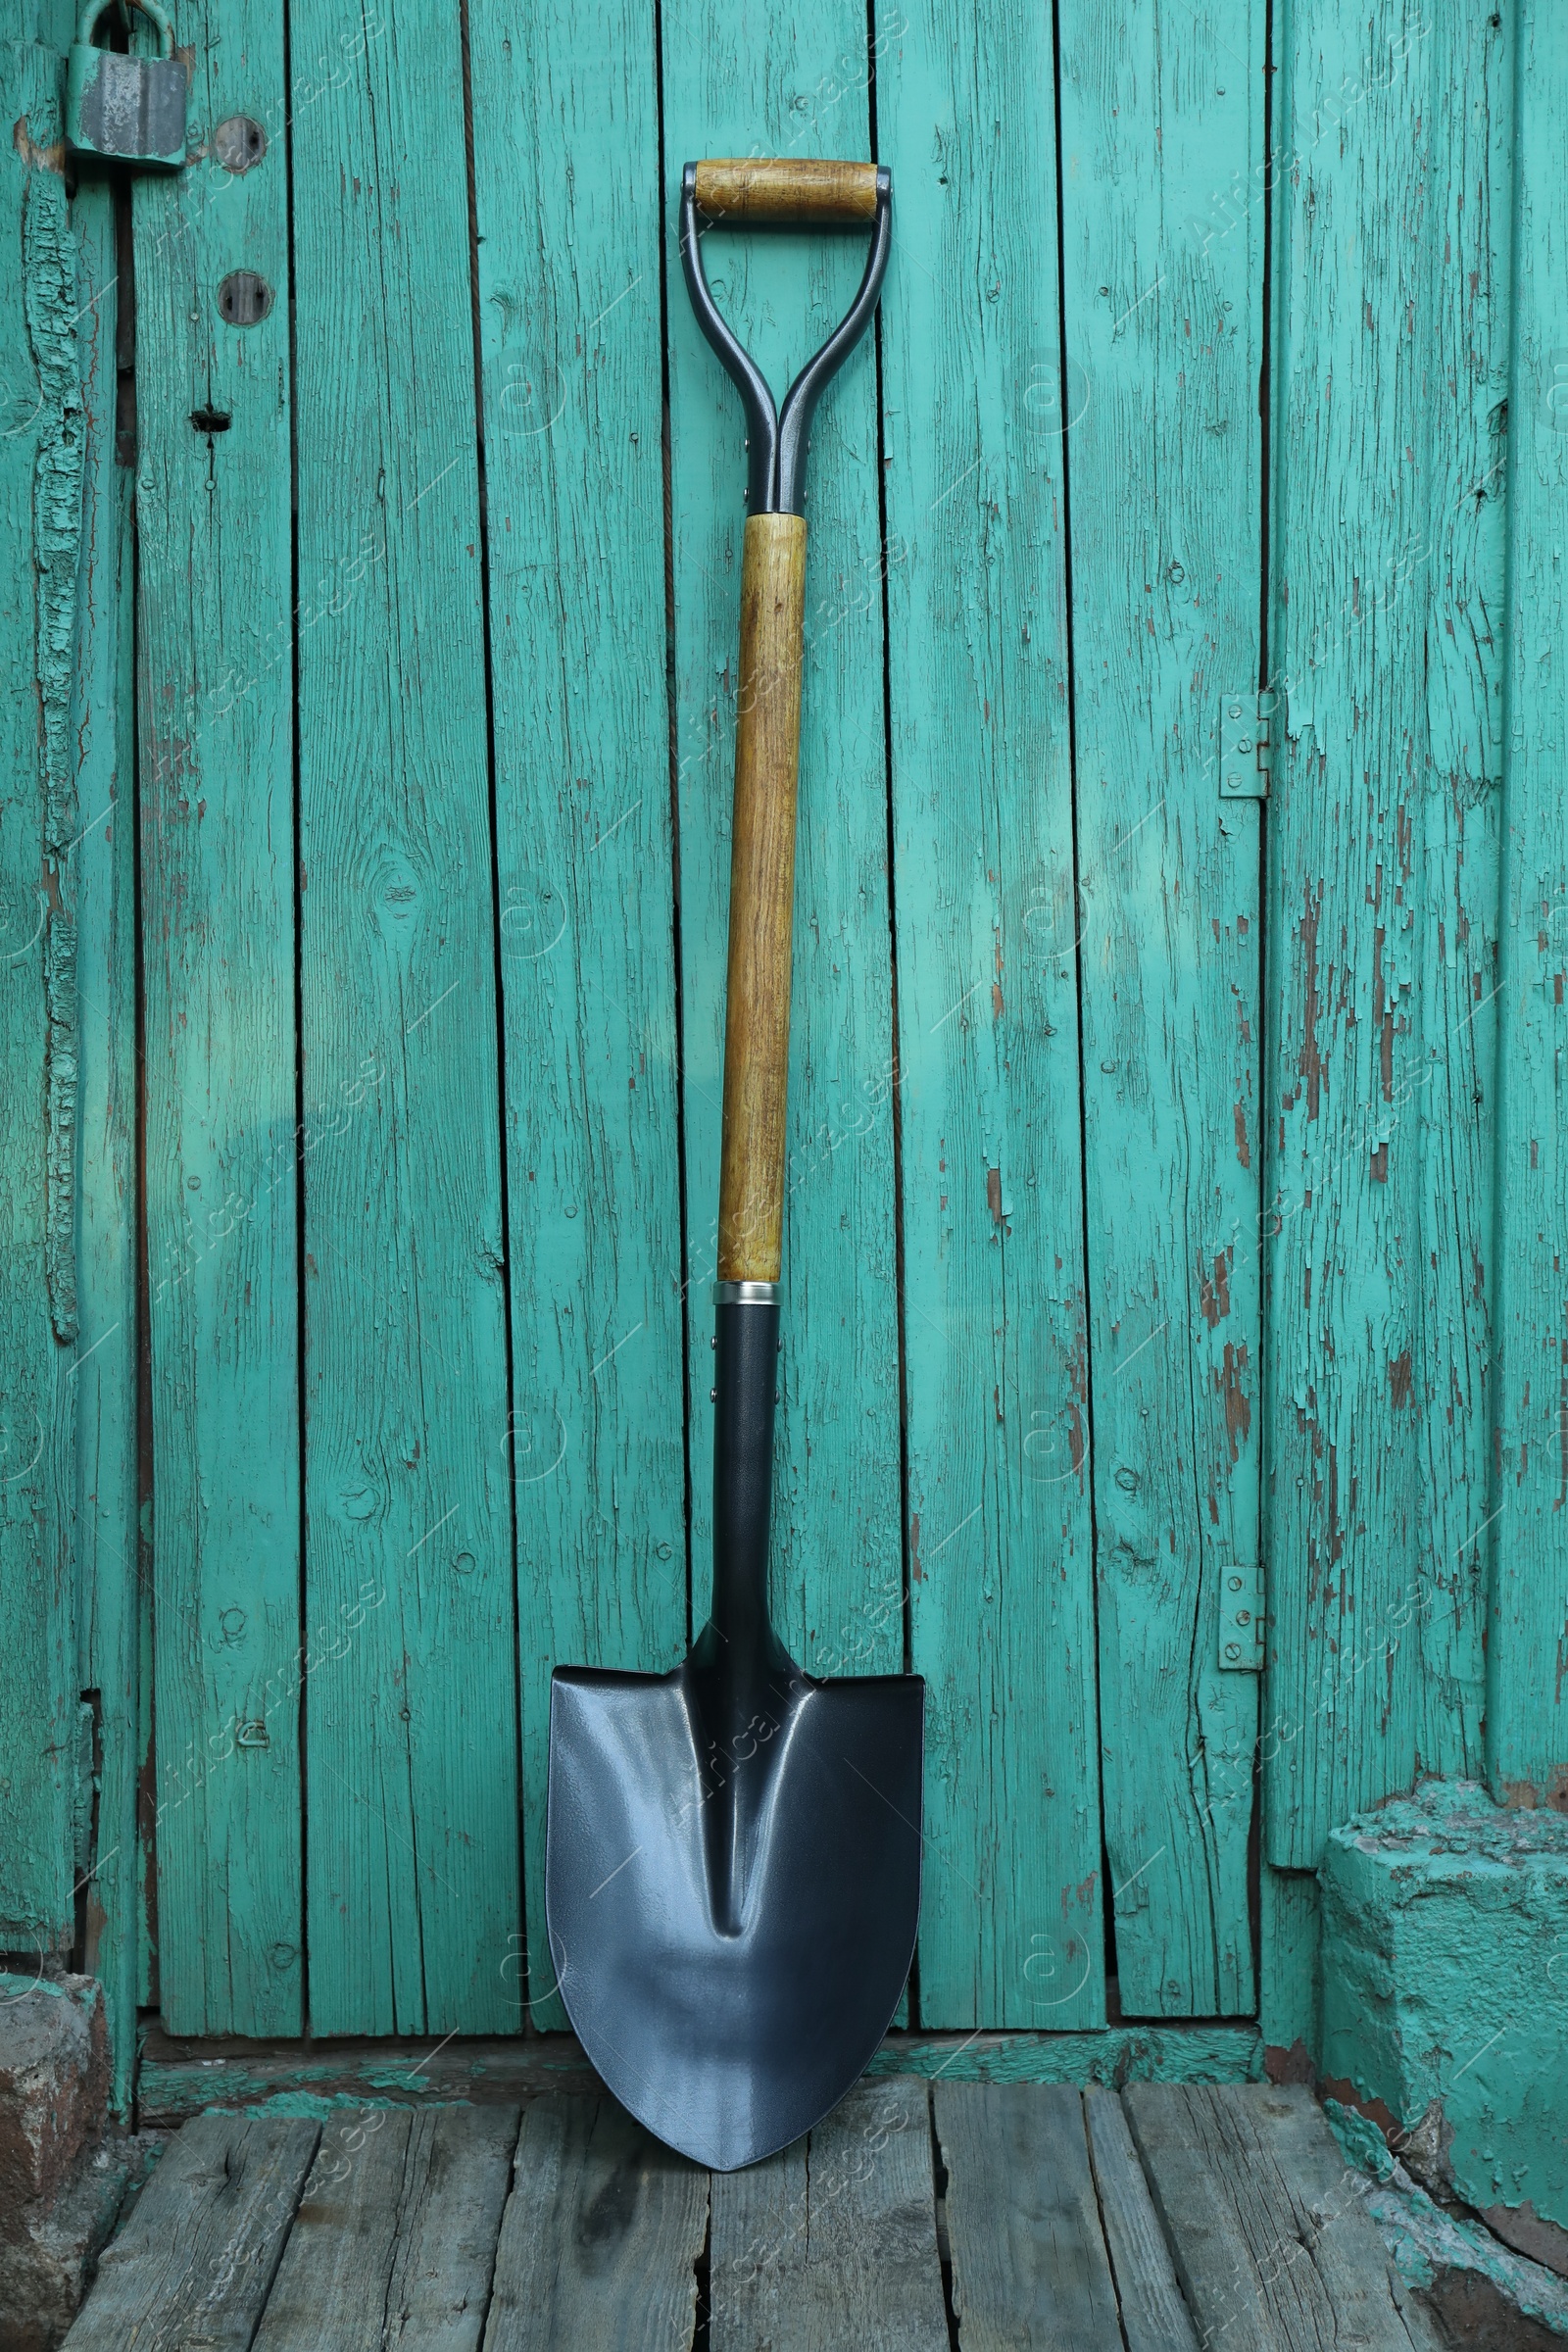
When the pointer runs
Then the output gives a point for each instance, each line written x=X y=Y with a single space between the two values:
x=746 y=1293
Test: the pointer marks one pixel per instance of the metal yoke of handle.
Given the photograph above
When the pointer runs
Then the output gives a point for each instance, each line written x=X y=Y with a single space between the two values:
x=792 y=192
x=782 y=192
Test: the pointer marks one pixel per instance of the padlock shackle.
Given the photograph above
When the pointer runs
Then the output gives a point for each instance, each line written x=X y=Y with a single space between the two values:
x=93 y=12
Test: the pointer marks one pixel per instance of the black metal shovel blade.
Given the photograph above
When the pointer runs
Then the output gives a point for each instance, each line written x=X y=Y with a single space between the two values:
x=732 y=1921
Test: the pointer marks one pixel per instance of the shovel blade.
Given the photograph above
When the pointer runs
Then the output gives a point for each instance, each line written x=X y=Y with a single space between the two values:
x=731 y=1984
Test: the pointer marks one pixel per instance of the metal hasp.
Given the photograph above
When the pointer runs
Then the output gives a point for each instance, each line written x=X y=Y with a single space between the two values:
x=732 y=1850
x=125 y=110
x=777 y=439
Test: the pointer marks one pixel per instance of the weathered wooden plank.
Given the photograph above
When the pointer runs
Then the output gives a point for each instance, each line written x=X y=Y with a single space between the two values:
x=178 y=2079
x=1464 y=636
x=996 y=1377
x=1272 y=2244
x=572 y=380
x=104 y=871
x=1527 y=1721
x=40 y=523
x=1030 y=2270
x=412 y=1897
x=758 y=2251
x=394 y=2242
x=215 y=787
x=793 y=87
x=600 y=2237
x=1393 y=292
x=194 y=2263
x=833 y=2240
x=1154 y=2317
x=1163 y=454
x=1288 y=1970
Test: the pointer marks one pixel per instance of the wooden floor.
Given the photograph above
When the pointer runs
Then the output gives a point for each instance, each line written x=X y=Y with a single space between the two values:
x=998 y=2216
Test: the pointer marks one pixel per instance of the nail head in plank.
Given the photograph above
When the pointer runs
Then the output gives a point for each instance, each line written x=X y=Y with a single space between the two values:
x=195 y=2261
x=1154 y=2316
x=1272 y=2244
x=395 y=2239
x=600 y=2237
x=833 y=2240
x=1030 y=2270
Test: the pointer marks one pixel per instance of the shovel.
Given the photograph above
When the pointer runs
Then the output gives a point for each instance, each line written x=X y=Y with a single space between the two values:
x=732 y=1866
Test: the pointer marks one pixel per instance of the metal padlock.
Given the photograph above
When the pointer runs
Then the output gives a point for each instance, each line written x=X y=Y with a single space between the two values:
x=125 y=110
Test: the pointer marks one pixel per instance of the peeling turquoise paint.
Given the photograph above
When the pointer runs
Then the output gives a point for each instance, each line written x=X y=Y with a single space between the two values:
x=1426 y=2241
x=1445 y=1996
x=50 y=282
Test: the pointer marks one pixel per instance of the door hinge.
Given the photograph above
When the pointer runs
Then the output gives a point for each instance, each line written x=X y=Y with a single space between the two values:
x=1246 y=739
x=1241 y=1619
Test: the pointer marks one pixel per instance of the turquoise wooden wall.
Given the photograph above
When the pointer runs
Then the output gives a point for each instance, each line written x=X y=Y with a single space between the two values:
x=1175 y=1187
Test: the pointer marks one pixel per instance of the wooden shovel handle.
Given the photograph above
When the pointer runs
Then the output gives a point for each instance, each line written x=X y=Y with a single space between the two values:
x=762 y=900
x=804 y=189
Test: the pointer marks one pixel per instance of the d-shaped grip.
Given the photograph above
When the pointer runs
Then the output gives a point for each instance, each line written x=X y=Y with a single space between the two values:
x=785 y=189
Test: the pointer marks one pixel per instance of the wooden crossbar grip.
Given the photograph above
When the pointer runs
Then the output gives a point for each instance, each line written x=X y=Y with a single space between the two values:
x=813 y=192
x=762 y=900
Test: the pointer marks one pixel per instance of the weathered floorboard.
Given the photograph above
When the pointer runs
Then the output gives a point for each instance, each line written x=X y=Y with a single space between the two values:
x=40 y=522
x=1163 y=455
x=216 y=819
x=1154 y=2317
x=600 y=2237
x=571 y=377
x=1527 y=1699
x=1271 y=2241
x=411 y=1695
x=194 y=2263
x=1392 y=304
x=104 y=864
x=1030 y=2271
x=394 y=2242
x=783 y=85
x=833 y=2240
x=997 y=1343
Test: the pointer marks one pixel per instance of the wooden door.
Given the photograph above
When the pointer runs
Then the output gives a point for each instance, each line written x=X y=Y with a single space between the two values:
x=440 y=507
